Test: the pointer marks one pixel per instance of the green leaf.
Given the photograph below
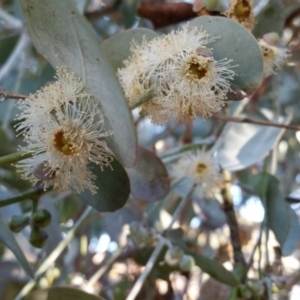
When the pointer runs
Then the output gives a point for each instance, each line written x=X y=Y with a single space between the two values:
x=7 y=237
x=277 y=213
x=271 y=19
x=149 y=179
x=129 y=10
x=65 y=38
x=213 y=268
x=242 y=144
x=117 y=48
x=237 y=44
x=113 y=188
x=266 y=187
x=209 y=266
x=62 y=293
x=293 y=235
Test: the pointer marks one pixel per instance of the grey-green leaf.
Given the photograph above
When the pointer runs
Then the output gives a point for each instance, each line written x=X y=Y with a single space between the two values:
x=117 y=48
x=211 y=267
x=149 y=179
x=242 y=144
x=7 y=237
x=266 y=187
x=113 y=188
x=65 y=38
x=63 y=293
x=293 y=236
x=237 y=44
x=277 y=213
x=270 y=19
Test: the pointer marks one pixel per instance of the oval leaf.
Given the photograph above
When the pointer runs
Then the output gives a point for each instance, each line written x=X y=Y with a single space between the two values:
x=271 y=19
x=242 y=144
x=117 y=48
x=65 y=38
x=62 y=293
x=113 y=188
x=266 y=187
x=237 y=44
x=293 y=236
x=149 y=179
x=209 y=266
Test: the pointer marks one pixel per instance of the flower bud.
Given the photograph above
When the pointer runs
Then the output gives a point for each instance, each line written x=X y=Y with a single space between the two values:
x=43 y=173
x=17 y=223
x=173 y=256
x=235 y=94
x=38 y=237
x=216 y=5
x=272 y=38
x=134 y=228
x=141 y=235
x=187 y=263
x=41 y=218
x=203 y=52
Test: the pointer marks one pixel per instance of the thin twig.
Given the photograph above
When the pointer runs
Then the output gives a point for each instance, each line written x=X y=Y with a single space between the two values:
x=161 y=242
x=144 y=98
x=14 y=157
x=257 y=122
x=10 y=21
x=53 y=255
x=179 y=209
x=238 y=256
x=4 y=95
x=97 y=275
x=257 y=244
x=26 y=195
x=139 y=283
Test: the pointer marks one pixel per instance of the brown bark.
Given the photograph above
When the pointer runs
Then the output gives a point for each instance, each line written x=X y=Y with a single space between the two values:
x=164 y=14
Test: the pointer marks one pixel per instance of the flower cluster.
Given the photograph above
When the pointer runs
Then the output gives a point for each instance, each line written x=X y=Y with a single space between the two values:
x=201 y=170
x=180 y=69
x=63 y=128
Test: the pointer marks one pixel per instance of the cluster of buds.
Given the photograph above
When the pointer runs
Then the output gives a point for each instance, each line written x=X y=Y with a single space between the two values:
x=142 y=236
x=251 y=290
x=176 y=257
x=40 y=219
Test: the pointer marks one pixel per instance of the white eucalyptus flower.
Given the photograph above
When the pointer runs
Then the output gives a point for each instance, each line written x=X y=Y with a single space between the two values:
x=187 y=81
x=63 y=128
x=200 y=169
x=273 y=57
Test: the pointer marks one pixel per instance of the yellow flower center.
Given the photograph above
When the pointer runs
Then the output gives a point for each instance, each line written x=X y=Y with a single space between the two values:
x=242 y=10
x=266 y=51
x=197 y=67
x=64 y=144
x=197 y=70
x=200 y=168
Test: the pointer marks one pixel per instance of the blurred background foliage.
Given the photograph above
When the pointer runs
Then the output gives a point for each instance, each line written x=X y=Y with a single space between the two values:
x=98 y=256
